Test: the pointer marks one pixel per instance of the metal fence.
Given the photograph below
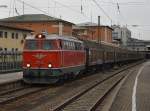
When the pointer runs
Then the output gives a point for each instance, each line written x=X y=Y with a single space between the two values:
x=10 y=61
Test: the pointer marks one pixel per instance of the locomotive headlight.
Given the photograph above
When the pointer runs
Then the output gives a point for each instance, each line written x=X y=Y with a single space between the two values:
x=28 y=65
x=49 y=65
x=39 y=36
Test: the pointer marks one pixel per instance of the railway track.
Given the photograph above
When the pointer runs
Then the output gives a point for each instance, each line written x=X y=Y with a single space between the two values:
x=12 y=95
x=11 y=87
x=92 y=97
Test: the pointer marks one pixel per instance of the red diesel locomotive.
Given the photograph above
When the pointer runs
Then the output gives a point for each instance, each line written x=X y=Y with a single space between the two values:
x=50 y=58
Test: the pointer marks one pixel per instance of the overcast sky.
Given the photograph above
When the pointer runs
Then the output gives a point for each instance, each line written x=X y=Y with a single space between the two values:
x=126 y=12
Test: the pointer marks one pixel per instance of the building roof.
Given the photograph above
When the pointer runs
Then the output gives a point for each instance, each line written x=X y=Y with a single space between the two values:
x=79 y=28
x=14 y=27
x=32 y=18
x=87 y=24
x=115 y=26
x=90 y=24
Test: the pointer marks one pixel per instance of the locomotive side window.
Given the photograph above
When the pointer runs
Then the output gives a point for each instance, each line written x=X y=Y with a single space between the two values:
x=78 y=46
x=64 y=45
x=70 y=45
x=31 y=45
x=73 y=46
x=60 y=44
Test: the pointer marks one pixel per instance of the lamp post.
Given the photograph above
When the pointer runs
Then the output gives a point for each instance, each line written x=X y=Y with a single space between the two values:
x=99 y=33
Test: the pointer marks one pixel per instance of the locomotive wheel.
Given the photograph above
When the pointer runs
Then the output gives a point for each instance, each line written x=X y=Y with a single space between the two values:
x=65 y=77
x=60 y=80
x=72 y=76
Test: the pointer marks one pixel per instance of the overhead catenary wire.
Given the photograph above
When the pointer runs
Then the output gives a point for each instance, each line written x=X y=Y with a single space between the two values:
x=10 y=7
x=25 y=3
x=119 y=12
x=68 y=7
x=98 y=5
x=81 y=9
x=15 y=8
x=47 y=13
x=124 y=3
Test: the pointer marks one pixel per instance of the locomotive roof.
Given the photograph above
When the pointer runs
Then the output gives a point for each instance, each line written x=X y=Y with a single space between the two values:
x=54 y=36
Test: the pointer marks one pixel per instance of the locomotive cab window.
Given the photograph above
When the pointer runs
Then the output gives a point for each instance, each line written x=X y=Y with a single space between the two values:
x=31 y=45
x=47 y=45
x=51 y=45
x=41 y=45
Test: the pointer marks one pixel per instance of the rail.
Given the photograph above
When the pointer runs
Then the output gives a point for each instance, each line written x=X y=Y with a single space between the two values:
x=80 y=94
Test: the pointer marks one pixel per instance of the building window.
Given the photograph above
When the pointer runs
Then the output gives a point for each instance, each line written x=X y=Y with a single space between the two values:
x=24 y=36
x=5 y=49
x=16 y=35
x=1 y=34
x=5 y=34
x=12 y=49
x=16 y=49
x=1 y=49
x=12 y=35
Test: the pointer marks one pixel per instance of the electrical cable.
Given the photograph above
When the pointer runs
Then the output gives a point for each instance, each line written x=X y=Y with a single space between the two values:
x=21 y=1
x=102 y=10
x=66 y=6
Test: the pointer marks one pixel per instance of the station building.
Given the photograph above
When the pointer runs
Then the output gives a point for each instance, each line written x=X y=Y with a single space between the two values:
x=12 y=38
x=89 y=31
x=40 y=23
x=121 y=34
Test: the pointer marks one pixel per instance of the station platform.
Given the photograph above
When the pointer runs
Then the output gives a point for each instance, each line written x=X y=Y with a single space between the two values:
x=10 y=77
x=134 y=95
